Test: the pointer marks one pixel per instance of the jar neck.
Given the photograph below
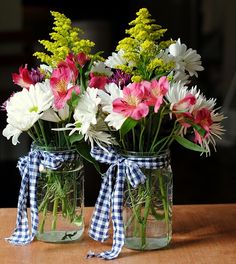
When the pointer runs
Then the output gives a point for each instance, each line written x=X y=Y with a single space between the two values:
x=36 y=145
x=128 y=153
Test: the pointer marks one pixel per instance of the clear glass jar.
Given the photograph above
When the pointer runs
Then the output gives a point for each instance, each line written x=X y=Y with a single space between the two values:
x=147 y=209
x=60 y=198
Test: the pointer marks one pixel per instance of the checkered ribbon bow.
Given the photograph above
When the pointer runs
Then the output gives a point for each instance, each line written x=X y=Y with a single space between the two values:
x=113 y=196
x=29 y=170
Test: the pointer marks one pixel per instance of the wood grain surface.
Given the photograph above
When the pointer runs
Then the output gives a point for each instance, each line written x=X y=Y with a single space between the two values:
x=202 y=234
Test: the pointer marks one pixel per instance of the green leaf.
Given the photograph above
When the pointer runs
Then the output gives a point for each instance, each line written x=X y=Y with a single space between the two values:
x=84 y=150
x=75 y=138
x=127 y=126
x=188 y=144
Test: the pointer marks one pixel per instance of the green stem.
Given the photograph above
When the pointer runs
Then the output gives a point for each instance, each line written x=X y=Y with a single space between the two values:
x=133 y=203
x=42 y=222
x=164 y=200
x=54 y=214
x=157 y=130
x=145 y=214
x=66 y=139
x=37 y=133
x=140 y=138
x=31 y=135
x=149 y=134
x=134 y=140
x=43 y=132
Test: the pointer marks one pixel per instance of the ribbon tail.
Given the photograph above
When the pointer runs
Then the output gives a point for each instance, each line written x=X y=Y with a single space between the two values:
x=100 y=220
x=117 y=219
x=22 y=225
x=33 y=196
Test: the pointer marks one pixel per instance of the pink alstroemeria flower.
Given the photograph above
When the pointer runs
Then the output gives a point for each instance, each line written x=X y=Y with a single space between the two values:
x=98 y=81
x=202 y=118
x=132 y=104
x=25 y=77
x=82 y=58
x=61 y=82
x=156 y=90
x=182 y=109
x=71 y=64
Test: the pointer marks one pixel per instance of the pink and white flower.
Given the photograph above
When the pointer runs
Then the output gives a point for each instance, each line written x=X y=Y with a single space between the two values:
x=25 y=77
x=156 y=90
x=132 y=104
x=62 y=84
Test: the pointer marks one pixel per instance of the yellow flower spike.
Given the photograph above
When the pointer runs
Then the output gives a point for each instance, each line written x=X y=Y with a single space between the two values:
x=136 y=78
x=64 y=39
x=142 y=48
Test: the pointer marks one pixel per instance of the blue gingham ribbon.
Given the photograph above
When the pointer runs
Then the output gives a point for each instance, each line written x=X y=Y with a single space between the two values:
x=29 y=170
x=110 y=196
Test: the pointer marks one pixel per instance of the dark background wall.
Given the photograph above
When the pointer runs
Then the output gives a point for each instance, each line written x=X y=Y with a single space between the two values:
x=207 y=25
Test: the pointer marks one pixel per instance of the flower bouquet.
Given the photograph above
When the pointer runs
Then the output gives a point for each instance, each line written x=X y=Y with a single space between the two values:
x=55 y=101
x=148 y=104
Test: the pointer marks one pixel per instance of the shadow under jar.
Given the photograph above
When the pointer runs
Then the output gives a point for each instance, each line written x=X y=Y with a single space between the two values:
x=147 y=209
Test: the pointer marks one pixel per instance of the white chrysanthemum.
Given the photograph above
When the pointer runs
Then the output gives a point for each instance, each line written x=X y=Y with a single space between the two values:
x=178 y=91
x=185 y=59
x=100 y=67
x=85 y=113
x=46 y=68
x=11 y=131
x=24 y=108
x=202 y=102
x=216 y=130
x=116 y=59
x=165 y=56
x=112 y=92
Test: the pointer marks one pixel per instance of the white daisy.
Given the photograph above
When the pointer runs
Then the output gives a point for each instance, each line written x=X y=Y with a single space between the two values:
x=100 y=67
x=177 y=91
x=216 y=130
x=116 y=59
x=112 y=92
x=24 y=108
x=85 y=113
x=185 y=59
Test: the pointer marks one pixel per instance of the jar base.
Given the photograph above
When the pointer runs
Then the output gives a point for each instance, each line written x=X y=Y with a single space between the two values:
x=60 y=236
x=151 y=243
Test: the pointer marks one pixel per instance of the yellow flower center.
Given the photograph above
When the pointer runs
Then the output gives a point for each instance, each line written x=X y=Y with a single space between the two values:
x=132 y=100
x=34 y=109
x=61 y=86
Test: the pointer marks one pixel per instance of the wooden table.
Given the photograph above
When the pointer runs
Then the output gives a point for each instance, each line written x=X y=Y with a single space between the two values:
x=201 y=234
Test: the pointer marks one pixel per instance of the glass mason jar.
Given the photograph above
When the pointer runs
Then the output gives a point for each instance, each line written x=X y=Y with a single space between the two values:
x=147 y=209
x=60 y=198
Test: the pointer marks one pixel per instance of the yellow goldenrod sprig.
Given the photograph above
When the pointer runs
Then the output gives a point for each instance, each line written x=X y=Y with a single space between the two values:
x=64 y=40
x=142 y=47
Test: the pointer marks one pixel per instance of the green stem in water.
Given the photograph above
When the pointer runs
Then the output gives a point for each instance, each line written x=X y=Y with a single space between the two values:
x=145 y=214
x=42 y=222
x=54 y=214
x=133 y=203
x=164 y=200
x=66 y=139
